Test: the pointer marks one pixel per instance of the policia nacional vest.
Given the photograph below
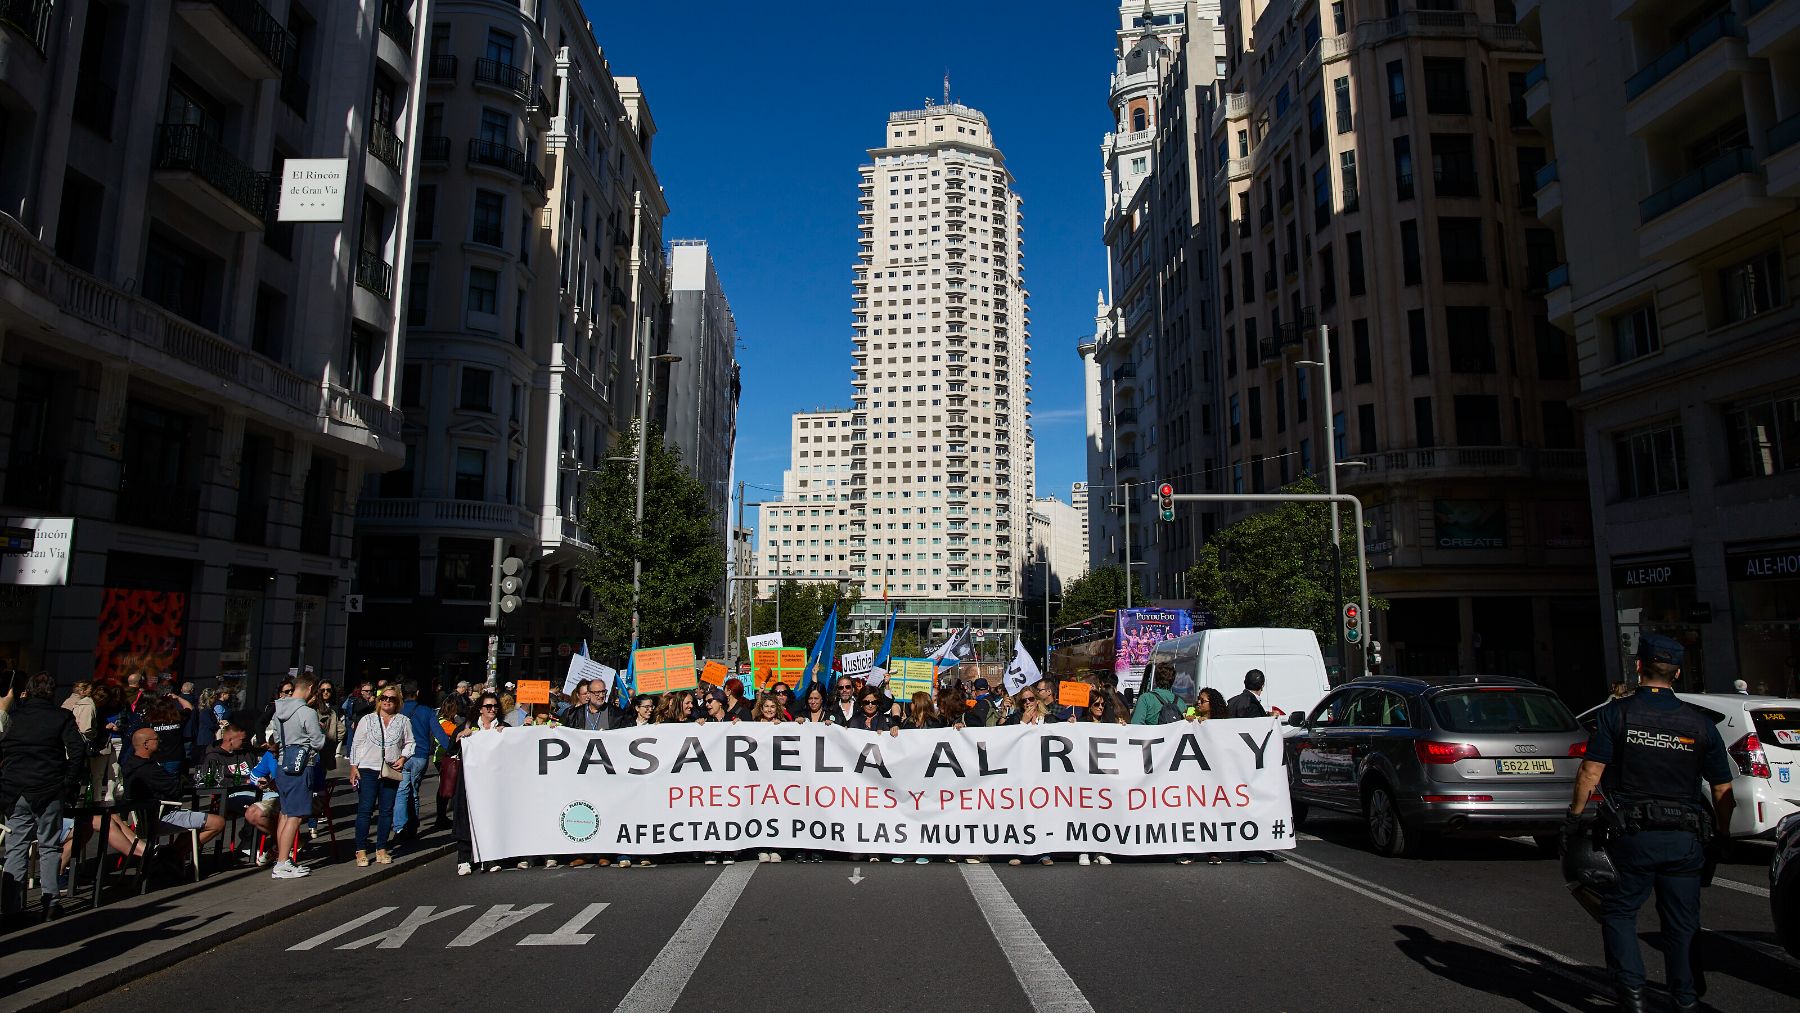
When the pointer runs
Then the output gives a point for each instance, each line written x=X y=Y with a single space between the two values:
x=1654 y=779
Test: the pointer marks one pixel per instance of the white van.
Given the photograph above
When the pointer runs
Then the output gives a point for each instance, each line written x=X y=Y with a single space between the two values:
x=1292 y=665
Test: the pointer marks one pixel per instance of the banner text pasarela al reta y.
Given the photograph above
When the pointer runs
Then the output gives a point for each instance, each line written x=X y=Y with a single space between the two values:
x=1178 y=788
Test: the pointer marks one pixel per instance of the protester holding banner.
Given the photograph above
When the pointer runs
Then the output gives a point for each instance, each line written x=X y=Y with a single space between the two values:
x=845 y=710
x=735 y=704
x=486 y=718
x=642 y=712
x=813 y=707
x=872 y=713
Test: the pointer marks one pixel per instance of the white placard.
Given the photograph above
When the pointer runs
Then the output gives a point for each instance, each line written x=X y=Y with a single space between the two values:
x=582 y=669
x=312 y=189
x=47 y=564
x=763 y=640
x=1181 y=788
x=858 y=662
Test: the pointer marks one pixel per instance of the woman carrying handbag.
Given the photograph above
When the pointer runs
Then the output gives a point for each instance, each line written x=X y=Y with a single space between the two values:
x=379 y=749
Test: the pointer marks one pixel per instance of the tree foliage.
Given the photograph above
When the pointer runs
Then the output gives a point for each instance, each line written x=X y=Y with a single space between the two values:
x=1094 y=592
x=1273 y=568
x=682 y=554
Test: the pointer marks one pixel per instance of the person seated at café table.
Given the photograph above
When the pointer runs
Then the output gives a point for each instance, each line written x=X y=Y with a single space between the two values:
x=147 y=782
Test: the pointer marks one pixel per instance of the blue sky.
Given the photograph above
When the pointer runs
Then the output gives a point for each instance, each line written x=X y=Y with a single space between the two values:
x=765 y=111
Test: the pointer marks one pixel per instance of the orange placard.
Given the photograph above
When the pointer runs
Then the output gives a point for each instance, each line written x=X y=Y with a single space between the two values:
x=647 y=667
x=678 y=663
x=1073 y=694
x=713 y=674
x=793 y=658
x=530 y=691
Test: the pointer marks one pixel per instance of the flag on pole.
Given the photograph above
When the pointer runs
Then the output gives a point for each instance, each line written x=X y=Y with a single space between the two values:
x=878 y=674
x=818 y=661
x=628 y=678
x=1022 y=672
x=954 y=651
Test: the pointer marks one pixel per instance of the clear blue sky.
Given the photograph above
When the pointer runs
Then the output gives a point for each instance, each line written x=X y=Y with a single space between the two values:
x=765 y=111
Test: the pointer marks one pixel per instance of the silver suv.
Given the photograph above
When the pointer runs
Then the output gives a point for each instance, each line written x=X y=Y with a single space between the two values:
x=1464 y=756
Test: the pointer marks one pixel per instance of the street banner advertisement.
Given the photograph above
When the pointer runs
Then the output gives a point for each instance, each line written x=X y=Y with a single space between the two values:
x=771 y=665
x=713 y=674
x=858 y=663
x=530 y=691
x=1211 y=786
x=1073 y=694
x=1138 y=631
x=907 y=676
x=585 y=669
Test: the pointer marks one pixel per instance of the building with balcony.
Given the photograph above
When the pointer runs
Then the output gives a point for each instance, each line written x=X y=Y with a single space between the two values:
x=1419 y=249
x=1153 y=350
x=1056 y=540
x=537 y=281
x=1674 y=176
x=942 y=459
x=697 y=396
x=808 y=534
x=200 y=386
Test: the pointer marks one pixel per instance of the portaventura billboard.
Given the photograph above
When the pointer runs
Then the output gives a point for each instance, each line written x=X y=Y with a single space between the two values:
x=1125 y=790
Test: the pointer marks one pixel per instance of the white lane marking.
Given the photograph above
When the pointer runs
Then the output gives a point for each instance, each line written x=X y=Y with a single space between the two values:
x=396 y=937
x=570 y=933
x=1732 y=884
x=1486 y=935
x=1047 y=986
x=496 y=919
x=350 y=926
x=1771 y=952
x=667 y=976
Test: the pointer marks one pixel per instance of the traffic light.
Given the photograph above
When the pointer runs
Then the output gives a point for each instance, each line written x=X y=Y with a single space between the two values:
x=1352 y=623
x=1165 y=501
x=510 y=584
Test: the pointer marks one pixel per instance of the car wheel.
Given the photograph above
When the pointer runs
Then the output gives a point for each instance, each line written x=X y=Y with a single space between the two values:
x=1388 y=832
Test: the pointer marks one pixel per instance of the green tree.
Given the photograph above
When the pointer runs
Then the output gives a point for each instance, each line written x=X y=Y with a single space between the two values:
x=803 y=610
x=1273 y=568
x=682 y=554
x=1094 y=592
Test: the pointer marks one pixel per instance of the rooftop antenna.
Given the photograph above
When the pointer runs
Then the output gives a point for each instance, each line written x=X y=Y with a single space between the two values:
x=946 y=85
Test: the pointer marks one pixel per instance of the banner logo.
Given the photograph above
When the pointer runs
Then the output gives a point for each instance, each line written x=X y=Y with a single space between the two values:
x=580 y=822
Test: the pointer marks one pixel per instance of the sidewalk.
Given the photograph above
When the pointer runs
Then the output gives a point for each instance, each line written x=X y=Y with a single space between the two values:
x=91 y=951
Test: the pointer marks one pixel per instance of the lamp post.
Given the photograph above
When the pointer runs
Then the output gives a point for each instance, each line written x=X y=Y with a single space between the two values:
x=643 y=439
x=1323 y=364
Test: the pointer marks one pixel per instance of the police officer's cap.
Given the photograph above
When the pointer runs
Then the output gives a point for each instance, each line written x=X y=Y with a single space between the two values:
x=1654 y=648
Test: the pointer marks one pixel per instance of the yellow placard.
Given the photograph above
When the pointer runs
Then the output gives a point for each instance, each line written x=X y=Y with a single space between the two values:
x=907 y=676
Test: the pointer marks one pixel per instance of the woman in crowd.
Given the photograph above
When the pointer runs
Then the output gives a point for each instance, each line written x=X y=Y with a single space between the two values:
x=642 y=712
x=813 y=708
x=768 y=709
x=331 y=722
x=383 y=742
x=1209 y=704
x=514 y=715
x=871 y=714
x=1030 y=712
x=486 y=718
x=451 y=719
x=675 y=709
x=715 y=709
x=735 y=705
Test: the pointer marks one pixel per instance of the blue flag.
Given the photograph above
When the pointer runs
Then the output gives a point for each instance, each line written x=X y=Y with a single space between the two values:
x=880 y=664
x=818 y=662
x=628 y=678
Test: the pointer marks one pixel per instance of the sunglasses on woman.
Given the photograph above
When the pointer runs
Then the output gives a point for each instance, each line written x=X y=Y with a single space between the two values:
x=870 y=702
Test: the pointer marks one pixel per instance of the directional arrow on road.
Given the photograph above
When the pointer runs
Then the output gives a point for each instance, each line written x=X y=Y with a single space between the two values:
x=856 y=875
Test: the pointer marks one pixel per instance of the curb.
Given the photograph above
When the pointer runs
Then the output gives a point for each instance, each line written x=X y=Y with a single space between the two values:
x=80 y=992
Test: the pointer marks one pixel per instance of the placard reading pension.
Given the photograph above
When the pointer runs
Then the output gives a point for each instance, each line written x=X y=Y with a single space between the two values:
x=1179 y=788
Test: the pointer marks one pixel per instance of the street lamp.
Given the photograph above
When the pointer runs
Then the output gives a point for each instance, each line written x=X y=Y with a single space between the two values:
x=1323 y=364
x=643 y=438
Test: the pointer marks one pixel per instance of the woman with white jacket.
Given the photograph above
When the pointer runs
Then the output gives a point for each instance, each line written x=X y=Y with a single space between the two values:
x=379 y=749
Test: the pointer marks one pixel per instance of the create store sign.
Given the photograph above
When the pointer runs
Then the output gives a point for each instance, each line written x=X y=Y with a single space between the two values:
x=1767 y=564
x=1470 y=523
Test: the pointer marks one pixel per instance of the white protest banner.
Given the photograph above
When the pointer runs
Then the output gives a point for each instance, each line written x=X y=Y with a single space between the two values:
x=762 y=641
x=585 y=669
x=1180 y=788
x=858 y=662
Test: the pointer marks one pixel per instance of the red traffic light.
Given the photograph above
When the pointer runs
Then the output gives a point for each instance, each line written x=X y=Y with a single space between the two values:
x=1166 y=490
x=1351 y=612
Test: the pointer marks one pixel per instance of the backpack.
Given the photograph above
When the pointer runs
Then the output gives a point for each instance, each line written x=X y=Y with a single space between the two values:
x=1171 y=707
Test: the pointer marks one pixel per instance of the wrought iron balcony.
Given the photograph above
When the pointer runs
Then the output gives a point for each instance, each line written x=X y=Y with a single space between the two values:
x=385 y=145
x=185 y=147
x=375 y=274
x=503 y=75
x=441 y=67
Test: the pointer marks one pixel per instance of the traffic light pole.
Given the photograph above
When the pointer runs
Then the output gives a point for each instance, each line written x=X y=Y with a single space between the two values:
x=1362 y=555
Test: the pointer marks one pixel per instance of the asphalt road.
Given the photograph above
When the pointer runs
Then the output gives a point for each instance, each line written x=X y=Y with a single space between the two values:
x=1475 y=925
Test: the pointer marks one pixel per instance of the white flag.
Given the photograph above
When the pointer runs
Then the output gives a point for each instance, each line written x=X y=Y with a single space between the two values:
x=955 y=650
x=1022 y=672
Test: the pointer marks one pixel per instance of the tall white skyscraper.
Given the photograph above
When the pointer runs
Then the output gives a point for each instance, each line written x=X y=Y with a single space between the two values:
x=941 y=477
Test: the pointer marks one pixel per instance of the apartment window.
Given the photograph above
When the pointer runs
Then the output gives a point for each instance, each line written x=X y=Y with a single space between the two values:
x=1256 y=413
x=360 y=377
x=1337 y=18
x=1347 y=169
x=179 y=279
x=1336 y=377
x=1403 y=168
x=496 y=128
x=484 y=291
x=1301 y=385
x=1321 y=198
x=1420 y=341
x=269 y=322
x=1243 y=144
x=1363 y=362
x=1552 y=351
x=1230 y=352
x=1340 y=94
x=1340 y=435
x=1424 y=430
x=1327 y=278
x=1453 y=165
x=471 y=473
x=1471 y=343
x=1752 y=286
x=1248 y=262
x=1257 y=483
x=1446 y=86
x=1764 y=435
x=418 y=296
x=1315 y=122
x=425 y=212
x=1477 y=420
x=1634 y=333
x=412 y=380
x=500 y=47
x=157 y=487
x=1396 y=78
x=1409 y=252
x=1540 y=258
x=1651 y=461
x=1281 y=406
x=1236 y=420
x=1559 y=425
x=1365 y=429
x=1353 y=263
x=1459 y=246
x=489 y=222
x=1237 y=476
x=477 y=390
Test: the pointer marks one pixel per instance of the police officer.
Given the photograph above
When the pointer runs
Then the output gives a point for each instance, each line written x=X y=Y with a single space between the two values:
x=1648 y=754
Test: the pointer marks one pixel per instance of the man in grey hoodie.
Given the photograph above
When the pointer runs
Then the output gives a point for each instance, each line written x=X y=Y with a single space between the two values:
x=294 y=723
